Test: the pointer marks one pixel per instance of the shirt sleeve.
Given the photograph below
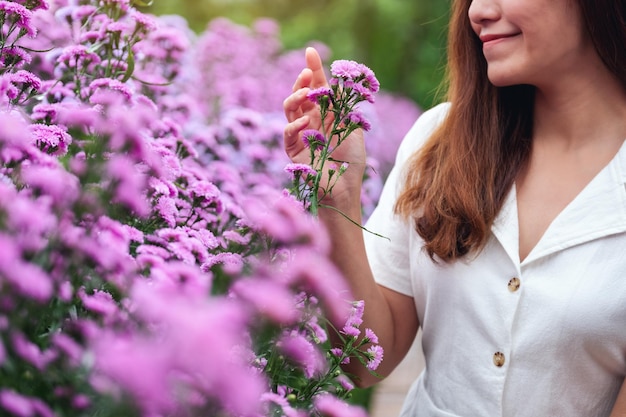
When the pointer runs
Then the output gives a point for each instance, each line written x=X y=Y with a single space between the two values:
x=389 y=255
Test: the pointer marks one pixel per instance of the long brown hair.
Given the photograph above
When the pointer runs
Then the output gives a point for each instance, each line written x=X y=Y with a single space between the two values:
x=457 y=183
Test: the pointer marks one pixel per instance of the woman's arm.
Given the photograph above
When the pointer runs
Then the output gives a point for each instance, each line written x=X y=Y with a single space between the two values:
x=389 y=314
x=619 y=409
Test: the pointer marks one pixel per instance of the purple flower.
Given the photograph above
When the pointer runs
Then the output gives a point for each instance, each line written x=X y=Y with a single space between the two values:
x=130 y=184
x=44 y=112
x=313 y=138
x=269 y=298
x=144 y=21
x=109 y=84
x=345 y=382
x=345 y=69
x=31 y=353
x=28 y=279
x=318 y=332
x=18 y=15
x=357 y=118
x=330 y=406
x=304 y=353
x=371 y=336
x=369 y=79
x=350 y=330
x=230 y=262
x=82 y=11
x=34 y=4
x=81 y=401
x=375 y=357
x=204 y=190
x=77 y=56
x=319 y=95
x=16 y=404
x=68 y=346
x=363 y=93
x=27 y=79
x=280 y=400
x=14 y=56
x=356 y=314
x=99 y=302
x=63 y=187
x=52 y=139
x=12 y=127
x=339 y=353
x=295 y=170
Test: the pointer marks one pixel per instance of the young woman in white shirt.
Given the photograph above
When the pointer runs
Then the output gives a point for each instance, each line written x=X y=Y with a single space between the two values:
x=505 y=213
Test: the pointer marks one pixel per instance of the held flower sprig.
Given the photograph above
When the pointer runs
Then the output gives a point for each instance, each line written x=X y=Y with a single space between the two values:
x=350 y=83
x=366 y=349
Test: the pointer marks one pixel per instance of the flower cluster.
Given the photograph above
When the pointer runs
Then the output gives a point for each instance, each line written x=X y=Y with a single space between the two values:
x=150 y=261
x=350 y=84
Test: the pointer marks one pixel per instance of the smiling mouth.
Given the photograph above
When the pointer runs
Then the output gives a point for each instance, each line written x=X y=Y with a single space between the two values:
x=493 y=38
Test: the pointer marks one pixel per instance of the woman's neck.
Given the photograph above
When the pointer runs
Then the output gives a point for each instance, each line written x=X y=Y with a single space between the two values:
x=581 y=109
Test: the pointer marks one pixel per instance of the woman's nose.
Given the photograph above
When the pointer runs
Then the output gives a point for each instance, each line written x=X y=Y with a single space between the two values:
x=481 y=11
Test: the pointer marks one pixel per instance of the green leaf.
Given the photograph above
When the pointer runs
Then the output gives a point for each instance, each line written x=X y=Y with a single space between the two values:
x=131 y=64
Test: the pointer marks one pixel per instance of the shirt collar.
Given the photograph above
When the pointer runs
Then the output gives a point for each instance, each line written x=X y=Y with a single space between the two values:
x=598 y=211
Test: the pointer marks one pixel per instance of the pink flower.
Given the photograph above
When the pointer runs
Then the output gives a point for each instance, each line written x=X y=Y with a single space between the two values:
x=63 y=187
x=295 y=170
x=18 y=14
x=269 y=298
x=13 y=56
x=129 y=184
x=111 y=85
x=99 y=302
x=371 y=336
x=350 y=330
x=17 y=404
x=345 y=382
x=231 y=262
x=375 y=357
x=357 y=118
x=303 y=353
x=31 y=353
x=77 y=56
x=68 y=346
x=51 y=138
x=319 y=95
x=28 y=279
x=313 y=138
x=329 y=406
x=345 y=69
x=27 y=79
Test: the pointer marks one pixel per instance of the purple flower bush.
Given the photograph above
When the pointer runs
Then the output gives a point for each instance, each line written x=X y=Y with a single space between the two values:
x=150 y=262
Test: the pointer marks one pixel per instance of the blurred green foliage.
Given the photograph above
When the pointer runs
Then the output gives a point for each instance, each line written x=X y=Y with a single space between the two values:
x=403 y=41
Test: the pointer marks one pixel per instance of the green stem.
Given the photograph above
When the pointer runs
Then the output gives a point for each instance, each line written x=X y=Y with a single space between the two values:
x=344 y=215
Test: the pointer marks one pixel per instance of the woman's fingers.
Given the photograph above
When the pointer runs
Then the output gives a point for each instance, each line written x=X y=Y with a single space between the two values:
x=314 y=63
x=297 y=107
x=303 y=80
x=294 y=104
x=291 y=136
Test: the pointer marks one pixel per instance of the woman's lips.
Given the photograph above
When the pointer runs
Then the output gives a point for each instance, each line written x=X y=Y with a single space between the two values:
x=491 y=39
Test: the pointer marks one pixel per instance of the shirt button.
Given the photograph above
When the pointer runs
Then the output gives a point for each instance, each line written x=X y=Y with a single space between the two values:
x=514 y=284
x=498 y=359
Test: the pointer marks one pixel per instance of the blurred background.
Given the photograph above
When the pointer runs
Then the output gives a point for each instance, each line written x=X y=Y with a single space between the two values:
x=402 y=41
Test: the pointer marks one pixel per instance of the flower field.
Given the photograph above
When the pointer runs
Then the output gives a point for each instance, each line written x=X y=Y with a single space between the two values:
x=152 y=262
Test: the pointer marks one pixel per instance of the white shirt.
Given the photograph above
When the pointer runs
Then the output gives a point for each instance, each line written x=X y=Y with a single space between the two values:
x=544 y=337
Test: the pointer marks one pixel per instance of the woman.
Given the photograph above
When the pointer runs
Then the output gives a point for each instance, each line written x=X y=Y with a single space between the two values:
x=506 y=216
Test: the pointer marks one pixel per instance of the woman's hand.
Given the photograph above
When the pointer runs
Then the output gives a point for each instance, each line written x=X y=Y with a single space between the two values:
x=303 y=114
